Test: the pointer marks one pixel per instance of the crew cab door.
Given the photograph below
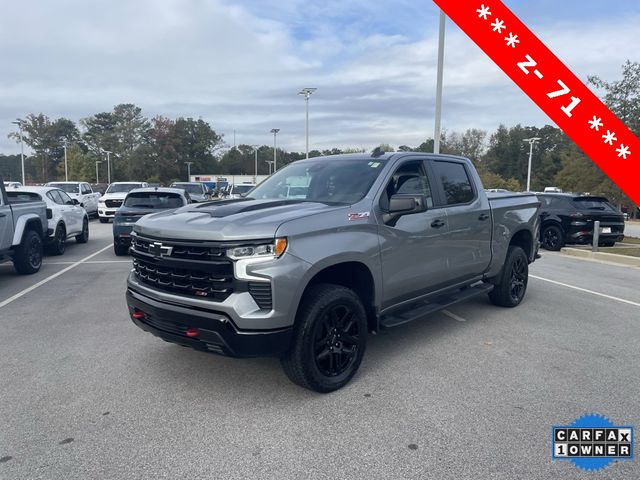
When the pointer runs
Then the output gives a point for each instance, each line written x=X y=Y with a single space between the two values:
x=411 y=245
x=468 y=252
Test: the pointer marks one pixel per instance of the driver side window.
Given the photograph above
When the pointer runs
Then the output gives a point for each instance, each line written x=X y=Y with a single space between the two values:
x=409 y=178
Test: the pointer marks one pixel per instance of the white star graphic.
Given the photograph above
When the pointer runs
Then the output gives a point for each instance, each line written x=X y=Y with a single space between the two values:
x=610 y=137
x=623 y=151
x=596 y=123
x=512 y=40
x=498 y=25
x=483 y=11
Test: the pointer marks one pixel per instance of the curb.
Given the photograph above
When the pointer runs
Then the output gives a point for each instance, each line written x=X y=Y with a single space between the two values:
x=605 y=257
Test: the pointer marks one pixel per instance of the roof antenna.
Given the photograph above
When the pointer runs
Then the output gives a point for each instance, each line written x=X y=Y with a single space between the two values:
x=377 y=152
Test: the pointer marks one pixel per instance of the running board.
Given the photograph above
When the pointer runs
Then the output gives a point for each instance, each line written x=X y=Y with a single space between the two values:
x=421 y=309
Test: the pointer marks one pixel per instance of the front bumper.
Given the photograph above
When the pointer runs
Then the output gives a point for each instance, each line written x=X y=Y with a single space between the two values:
x=216 y=332
x=107 y=212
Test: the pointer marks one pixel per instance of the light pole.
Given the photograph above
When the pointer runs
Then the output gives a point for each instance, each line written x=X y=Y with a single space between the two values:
x=531 y=141
x=307 y=92
x=108 y=164
x=98 y=162
x=255 y=164
x=436 y=134
x=275 y=160
x=188 y=164
x=270 y=162
x=19 y=123
x=66 y=175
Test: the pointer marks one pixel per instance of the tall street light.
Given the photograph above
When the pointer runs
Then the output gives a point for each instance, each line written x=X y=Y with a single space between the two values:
x=108 y=164
x=531 y=141
x=188 y=164
x=270 y=163
x=66 y=175
x=19 y=123
x=255 y=163
x=98 y=162
x=275 y=159
x=436 y=134
x=307 y=92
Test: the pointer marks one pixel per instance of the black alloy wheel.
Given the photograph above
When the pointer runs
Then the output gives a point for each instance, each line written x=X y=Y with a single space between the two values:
x=552 y=238
x=336 y=339
x=519 y=272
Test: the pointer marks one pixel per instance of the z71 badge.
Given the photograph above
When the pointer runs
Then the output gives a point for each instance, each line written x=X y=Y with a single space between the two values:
x=359 y=216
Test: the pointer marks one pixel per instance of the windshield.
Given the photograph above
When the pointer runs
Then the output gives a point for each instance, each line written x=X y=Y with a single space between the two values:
x=322 y=180
x=122 y=187
x=190 y=187
x=67 y=187
x=240 y=189
x=160 y=200
x=594 y=203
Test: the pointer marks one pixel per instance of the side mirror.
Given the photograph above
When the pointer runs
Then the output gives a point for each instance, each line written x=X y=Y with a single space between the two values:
x=403 y=204
x=75 y=201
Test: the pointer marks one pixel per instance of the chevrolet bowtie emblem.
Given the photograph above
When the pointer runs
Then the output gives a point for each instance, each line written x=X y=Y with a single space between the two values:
x=157 y=249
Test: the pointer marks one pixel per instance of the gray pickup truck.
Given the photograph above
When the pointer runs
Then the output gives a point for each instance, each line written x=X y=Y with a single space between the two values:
x=23 y=226
x=370 y=241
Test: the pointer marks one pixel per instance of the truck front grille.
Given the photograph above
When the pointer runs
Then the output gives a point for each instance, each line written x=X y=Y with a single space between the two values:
x=113 y=203
x=186 y=252
x=211 y=285
x=261 y=293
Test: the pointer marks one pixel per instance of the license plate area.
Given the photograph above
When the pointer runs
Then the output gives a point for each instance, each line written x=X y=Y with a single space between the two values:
x=605 y=229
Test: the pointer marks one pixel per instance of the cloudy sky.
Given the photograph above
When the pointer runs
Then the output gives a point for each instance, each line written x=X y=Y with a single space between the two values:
x=239 y=64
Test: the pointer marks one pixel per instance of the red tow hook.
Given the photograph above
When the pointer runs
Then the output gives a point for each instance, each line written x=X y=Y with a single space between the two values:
x=192 y=332
x=137 y=314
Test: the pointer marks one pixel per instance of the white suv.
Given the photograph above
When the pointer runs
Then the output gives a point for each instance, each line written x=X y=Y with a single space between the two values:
x=113 y=198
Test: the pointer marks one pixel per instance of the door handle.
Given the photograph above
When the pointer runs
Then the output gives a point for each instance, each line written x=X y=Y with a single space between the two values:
x=437 y=223
x=483 y=216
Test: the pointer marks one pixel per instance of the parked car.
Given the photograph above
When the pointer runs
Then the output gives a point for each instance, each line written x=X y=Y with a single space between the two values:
x=113 y=198
x=141 y=202
x=82 y=192
x=65 y=217
x=240 y=190
x=23 y=226
x=569 y=219
x=379 y=240
x=198 y=192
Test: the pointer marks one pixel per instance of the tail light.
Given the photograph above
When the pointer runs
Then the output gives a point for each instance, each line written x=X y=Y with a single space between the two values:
x=49 y=213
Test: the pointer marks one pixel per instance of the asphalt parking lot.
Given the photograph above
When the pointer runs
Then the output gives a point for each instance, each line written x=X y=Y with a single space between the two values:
x=468 y=393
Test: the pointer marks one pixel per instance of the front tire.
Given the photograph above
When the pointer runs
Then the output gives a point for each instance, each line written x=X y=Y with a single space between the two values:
x=84 y=235
x=329 y=339
x=59 y=244
x=513 y=279
x=120 y=250
x=28 y=255
x=552 y=238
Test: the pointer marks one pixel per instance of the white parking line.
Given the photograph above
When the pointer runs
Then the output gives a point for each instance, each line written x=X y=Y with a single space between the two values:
x=50 y=277
x=453 y=315
x=610 y=297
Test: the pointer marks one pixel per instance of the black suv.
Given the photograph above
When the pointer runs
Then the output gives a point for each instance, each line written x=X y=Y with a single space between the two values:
x=567 y=218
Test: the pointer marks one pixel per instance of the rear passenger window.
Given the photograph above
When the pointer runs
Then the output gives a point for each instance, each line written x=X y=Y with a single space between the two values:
x=455 y=182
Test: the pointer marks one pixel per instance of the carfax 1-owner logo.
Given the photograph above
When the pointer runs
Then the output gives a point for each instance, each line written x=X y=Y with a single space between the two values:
x=592 y=442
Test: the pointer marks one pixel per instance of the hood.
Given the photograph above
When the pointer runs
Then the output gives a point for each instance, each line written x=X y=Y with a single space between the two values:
x=113 y=196
x=228 y=220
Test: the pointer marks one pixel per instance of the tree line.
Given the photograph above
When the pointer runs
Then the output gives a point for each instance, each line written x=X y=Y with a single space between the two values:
x=157 y=149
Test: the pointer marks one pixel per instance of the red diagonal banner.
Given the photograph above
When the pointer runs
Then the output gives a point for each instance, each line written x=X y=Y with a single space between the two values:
x=552 y=86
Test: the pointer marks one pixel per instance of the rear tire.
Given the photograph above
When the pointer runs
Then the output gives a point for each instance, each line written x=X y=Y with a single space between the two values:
x=84 y=235
x=103 y=220
x=120 y=250
x=552 y=238
x=59 y=244
x=607 y=244
x=28 y=255
x=513 y=279
x=329 y=339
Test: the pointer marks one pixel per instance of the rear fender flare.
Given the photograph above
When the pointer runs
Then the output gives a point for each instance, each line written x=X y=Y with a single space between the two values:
x=21 y=226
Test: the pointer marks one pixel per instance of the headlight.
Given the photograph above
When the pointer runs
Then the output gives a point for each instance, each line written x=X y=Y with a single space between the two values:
x=102 y=205
x=273 y=250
